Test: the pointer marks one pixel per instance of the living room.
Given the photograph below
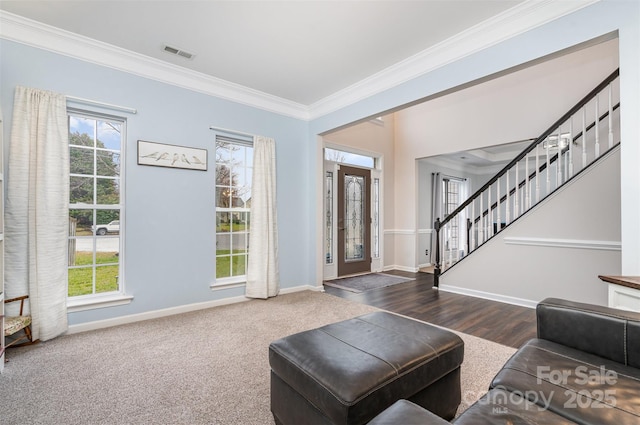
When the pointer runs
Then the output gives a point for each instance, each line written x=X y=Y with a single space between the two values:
x=171 y=271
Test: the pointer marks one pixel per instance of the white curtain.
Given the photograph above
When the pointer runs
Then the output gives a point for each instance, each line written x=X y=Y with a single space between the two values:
x=36 y=213
x=436 y=211
x=263 y=277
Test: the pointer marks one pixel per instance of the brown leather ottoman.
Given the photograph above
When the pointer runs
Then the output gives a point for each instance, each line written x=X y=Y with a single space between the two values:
x=348 y=372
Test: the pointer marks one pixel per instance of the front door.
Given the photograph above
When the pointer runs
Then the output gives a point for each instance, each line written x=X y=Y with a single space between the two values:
x=354 y=220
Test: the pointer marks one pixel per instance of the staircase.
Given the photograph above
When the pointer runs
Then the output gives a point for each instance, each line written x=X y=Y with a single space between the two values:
x=572 y=144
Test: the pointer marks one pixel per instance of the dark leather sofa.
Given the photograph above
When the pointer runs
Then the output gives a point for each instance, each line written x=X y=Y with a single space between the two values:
x=584 y=367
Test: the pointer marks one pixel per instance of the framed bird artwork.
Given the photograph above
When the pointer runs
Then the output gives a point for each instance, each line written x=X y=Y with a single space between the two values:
x=172 y=156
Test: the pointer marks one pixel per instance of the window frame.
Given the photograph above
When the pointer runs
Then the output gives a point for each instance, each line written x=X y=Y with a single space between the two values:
x=232 y=280
x=117 y=297
x=456 y=239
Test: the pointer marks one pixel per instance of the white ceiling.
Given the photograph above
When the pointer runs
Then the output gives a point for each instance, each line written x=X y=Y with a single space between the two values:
x=300 y=51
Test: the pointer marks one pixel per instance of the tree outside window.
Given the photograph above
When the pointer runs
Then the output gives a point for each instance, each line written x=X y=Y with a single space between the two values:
x=95 y=204
x=234 y=167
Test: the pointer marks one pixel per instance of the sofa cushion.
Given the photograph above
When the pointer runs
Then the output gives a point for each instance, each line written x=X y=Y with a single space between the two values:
x=579 y=386
x=503 y=407
x=495 y=407
x=406 y=413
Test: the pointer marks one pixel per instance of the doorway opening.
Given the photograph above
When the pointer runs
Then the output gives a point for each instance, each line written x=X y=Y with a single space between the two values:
x=351 y=213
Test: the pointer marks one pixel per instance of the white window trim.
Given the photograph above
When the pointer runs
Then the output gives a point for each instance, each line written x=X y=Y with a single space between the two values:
x=91 y=302
x=240 y=280
x=116 y=298
x=228 y=284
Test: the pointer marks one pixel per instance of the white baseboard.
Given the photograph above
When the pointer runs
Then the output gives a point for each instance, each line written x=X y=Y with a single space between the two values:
x=154 y=314
x=301 y=288
x=489 y=296
x=401 y=268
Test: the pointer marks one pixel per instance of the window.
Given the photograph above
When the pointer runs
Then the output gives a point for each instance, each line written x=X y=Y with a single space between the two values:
x=349 y=158
x=376 y=218
x=95 y=203
x=234 y=167
x=329 y=217
x=454 y=192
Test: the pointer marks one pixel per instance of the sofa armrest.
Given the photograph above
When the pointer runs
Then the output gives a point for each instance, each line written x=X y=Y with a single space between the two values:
x=607 y=332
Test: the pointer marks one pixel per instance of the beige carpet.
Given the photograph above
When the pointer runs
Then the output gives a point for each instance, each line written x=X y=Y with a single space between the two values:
x=205 y=367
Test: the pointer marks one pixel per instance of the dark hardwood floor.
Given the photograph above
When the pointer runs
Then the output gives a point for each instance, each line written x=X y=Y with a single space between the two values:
x=499 y=322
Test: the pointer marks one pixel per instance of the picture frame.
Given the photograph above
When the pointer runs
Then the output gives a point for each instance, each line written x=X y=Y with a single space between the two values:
x=171 y=156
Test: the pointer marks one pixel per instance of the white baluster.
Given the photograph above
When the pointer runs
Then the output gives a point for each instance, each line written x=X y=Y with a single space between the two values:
x=565 y=167
x=570 y=147
x=584 y=136
x=548 y=169
x=537 y=175
x=507 y=202
x=559 y=160
x=443 y=232
x=516 y=200
x=527 y=200
x=597 y=128
x=450 y=236
x=490 y=213
x=498 y=203
x=482 y=226
x=610 y=117
x=457 y=247
x=472 y=245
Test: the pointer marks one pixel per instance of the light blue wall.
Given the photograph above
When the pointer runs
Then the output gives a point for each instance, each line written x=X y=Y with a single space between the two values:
x=170 y=220
x=582 y=26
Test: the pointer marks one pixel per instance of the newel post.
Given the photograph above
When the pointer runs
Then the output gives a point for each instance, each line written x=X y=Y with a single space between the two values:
x=436 y=270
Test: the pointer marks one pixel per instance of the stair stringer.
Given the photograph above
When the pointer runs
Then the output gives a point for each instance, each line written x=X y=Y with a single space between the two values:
x=557 y=249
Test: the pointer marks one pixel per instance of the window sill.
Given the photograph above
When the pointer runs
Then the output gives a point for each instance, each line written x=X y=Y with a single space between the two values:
x=92 y=303
x=228 y=284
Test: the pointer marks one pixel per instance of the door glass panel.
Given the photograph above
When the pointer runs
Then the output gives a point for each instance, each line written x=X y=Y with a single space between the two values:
x=376 y=218
x=329 y=217
x=354 y=225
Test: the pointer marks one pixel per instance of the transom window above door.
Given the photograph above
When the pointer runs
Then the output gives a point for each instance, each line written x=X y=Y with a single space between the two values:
x=349 y=158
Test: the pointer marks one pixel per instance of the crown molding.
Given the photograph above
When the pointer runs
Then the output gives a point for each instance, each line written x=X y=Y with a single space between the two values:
x=36 y=34
x=510 y=23
x=519 y=19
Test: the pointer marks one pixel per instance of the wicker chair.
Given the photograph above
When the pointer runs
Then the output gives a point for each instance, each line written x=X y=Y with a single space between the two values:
x=14 y=324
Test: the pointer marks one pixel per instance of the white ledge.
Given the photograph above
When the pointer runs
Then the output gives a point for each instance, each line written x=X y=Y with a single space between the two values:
x=91 y=303
x=565 y=243
x=221 y=286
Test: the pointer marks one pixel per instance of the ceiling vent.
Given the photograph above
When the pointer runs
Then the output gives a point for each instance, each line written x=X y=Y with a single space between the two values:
x=179 y=52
